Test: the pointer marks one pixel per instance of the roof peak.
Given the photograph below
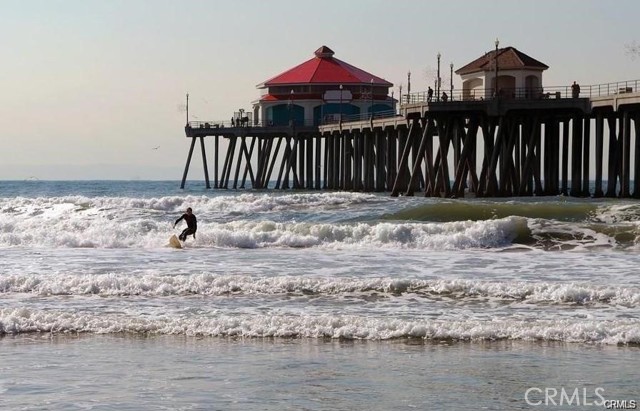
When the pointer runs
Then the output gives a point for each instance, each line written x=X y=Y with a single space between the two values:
x=323 y=68
x=324 y=52
x=508 y=58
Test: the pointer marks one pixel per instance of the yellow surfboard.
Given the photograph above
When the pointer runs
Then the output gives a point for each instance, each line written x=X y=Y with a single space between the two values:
x=174 y=242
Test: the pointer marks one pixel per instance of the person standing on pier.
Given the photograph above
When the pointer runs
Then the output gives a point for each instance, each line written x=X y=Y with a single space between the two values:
x=575 y=90
x=429 y=94
x=192 y=225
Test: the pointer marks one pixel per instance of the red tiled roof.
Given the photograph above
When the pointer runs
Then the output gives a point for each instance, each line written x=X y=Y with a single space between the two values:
x=323 y=68
x=509 y=58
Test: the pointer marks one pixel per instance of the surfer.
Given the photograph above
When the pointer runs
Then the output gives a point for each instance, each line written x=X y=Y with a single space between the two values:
x=192 y=225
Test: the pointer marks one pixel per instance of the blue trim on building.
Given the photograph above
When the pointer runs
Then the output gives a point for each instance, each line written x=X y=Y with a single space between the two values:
x=282 y=114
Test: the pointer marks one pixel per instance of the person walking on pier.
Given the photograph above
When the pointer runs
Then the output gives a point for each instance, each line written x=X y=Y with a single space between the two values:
x=192 y=225
x=575 y=90
x=429 y=94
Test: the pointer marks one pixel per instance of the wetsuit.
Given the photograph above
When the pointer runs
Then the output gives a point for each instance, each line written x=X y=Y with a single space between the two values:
x=192 y=226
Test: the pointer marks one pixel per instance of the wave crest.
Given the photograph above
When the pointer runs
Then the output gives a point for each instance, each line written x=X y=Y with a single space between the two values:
x=23 y=320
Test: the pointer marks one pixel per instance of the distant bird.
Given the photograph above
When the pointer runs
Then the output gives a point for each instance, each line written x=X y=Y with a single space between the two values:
x=157 y=147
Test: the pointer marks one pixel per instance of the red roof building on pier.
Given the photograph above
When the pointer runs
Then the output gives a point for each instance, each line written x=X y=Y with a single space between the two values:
x=320 y=89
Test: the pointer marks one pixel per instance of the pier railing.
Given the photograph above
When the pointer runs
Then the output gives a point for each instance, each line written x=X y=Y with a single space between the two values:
x=328 y=119
x=537 y=93
x=239 y=124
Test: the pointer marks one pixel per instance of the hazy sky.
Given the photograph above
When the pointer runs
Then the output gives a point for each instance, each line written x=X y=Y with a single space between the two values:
x=89 y=88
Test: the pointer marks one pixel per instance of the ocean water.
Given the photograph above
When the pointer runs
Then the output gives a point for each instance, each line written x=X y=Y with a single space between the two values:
x=314 y=300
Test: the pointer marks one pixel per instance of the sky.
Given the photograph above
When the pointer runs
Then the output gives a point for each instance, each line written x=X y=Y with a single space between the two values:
x=95 y=89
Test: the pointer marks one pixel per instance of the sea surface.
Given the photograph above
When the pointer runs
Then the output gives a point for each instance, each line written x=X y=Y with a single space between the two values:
x=312 y=300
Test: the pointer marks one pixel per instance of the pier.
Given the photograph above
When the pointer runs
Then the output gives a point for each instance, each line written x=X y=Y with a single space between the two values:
x=504 y=146
x=325 y=124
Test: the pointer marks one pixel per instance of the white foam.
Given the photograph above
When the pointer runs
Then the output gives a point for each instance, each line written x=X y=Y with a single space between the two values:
x=23 y=320
x=578 y=236
x=114 y=222
x=442 y=236
x=77 y=221
x=617 y=213
x=266 y=220
x=215 y=285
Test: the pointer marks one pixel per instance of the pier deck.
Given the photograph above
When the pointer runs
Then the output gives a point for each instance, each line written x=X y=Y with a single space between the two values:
x=548 y=145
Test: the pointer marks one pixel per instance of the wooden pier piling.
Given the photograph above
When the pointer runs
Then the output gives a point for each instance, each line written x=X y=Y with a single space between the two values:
x=486 y=148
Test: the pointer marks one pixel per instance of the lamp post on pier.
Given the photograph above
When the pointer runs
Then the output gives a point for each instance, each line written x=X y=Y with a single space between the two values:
x=438 y=79
x=496 y=63
x=393 y=104
x=408 y=85
x=340 y=119
x=371 y=101
x=290 y=108
x=451 y=77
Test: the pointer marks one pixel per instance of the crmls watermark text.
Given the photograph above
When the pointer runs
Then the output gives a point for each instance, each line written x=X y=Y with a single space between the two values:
x=551 y=396
x=621 y=404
